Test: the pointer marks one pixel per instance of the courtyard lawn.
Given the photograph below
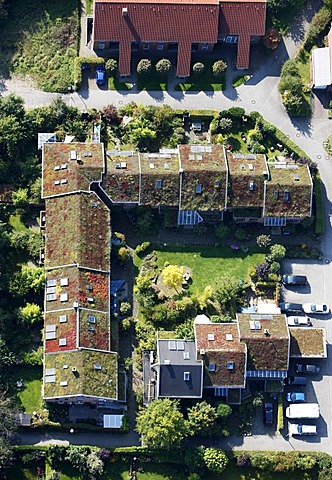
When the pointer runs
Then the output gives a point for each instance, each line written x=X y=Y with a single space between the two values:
x=205 y=81
x=29 y=396
x=115 y=84
x=232 y=472
x=15 y=221
x=209 y=263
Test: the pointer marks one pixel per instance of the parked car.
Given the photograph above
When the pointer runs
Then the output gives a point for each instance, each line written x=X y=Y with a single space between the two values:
x=100 y=75
x=308 y=369
x=299 y=429
x=268 y=413
x=295 y=397
x=298 y=381
x=291 y=307
x=294 y=280
x=316 y=308
x=294 y=321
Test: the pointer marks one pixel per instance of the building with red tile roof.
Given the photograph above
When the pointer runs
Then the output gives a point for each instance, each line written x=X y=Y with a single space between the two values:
x=176 y=25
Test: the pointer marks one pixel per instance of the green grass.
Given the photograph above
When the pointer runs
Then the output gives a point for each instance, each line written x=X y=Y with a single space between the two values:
x=208 y=264
x=16 y=223
x=240 y=80
x=232 y=472
x=29 y=396
x=152 y=80
x=22 y=472
x=40 y=39
x=205 y=81
x=88 y=7
x=303 y=65
x=115 y=84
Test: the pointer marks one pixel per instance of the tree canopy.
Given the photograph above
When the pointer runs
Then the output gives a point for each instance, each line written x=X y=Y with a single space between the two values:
x=173 y=276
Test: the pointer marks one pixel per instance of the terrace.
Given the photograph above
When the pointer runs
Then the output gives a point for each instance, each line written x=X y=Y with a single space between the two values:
x=267 y=339
x=71 y=167
x=121 y=181
x=224 y=356
x=247 y=175
x=204 y=177
x=289 y=191
x=77 y=232
x=308 y=343
x=160 y=182
x=81 y=373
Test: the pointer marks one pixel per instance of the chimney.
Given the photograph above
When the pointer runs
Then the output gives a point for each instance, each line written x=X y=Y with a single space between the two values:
x=124 y=11
x=266 y=332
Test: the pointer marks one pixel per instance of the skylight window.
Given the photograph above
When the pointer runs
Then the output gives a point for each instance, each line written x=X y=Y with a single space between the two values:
x=64 y=282
x=159 y=184
x=251 y=186
x=198 y=188
x=186 y=356
x=276 y=193
x=186 y=376
x=171 y=345
x=212 y=367
x=210 y=336
x=230 y=365
x=286 y=195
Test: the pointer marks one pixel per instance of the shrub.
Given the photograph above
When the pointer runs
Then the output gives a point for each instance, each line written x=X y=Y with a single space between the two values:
x=111 y=65
x=143 y=66
x=222 y=231
x=194 y=458
x=318 y=24
x=262 y=271
x=240 y=234
x=243 y=460
x=223 y=411
x=225 y=124
x=163 y=66
x=272 y=39
x=125 y=308
x=219 y=67
x=277 y=252
x=104 y=454
x=141 y=250
x=319 y=206
x=291 y=84
x=123 y=254
x=194 y=476
x=263 y=241
x=198 y=68
x=214 y=126
x=275 y=268
x=290 y=68
x=215 y=460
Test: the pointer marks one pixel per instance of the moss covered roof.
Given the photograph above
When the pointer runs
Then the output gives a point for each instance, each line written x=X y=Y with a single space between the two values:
x=121 y=181
x=82 y=372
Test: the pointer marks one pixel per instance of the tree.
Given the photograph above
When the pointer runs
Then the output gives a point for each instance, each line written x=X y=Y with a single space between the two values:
x=291 y=84
x=219 y=67
x=94 y=464
x=6 y=456
x=243 y=460
x=201 y=418
x=226 y=294
x=277 y=253
x=173 y=276
x=290 y=68
x=143 y=66
x=263 y=241
x=31 y=313
x=225 y=124
x=111 y=65
x=161 y=424
x=20 y=198
x=123 y=254
x=185 y=330
x=110 y=115
x=26 y=280
x=198 y=68
x=125 y=308
x=163 y=66
x=215 y=460
x=262 y=271
x=141 y=133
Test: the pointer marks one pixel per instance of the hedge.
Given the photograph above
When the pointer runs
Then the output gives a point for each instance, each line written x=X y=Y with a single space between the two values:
x=319 y=206
x=280 y=414
x=319 y=23
x=79 y=62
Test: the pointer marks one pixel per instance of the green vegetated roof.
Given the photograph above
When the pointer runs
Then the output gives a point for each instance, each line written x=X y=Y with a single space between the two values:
x=121 y=182
x=247 y=175
x=308 y=342
x=223 y=351
x=77 y=231
x=69 y=167
x=267 y=339
x=81 y=372
x=160 y=181
x=289 y=191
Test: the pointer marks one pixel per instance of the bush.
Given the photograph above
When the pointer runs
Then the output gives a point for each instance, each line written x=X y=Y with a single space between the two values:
x=290 y=68
x=215 y=460
x=125 y=308
x=194 y=476
x=79 y=62
x=277 y=252
x=319 y=206
x=219 y=67
x=143 y=66
x=198 y=68
x=319 y=23
x=240 y=234
x=243 y=460
x=280 y=414
x=123 y=254
x=222 y=231
x=272 y=39
x=141 y=250
x=163 y=66
x=111 y=65
x=263 y=241
x=275 y=268
x=225 y=124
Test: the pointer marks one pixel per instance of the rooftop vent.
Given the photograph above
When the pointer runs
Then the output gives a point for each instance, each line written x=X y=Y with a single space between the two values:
x=186 y=356
x=296 y=177
x=243 y=167
x=65 y=366
x=73 y=369
x=186 y=376
x=124 y=11
x=167 y=362
x=64 y=383
x=97 y=366
x=251 y=167
x=229 y=336
x=202 y=351
x=73 y=155
x=266 y=332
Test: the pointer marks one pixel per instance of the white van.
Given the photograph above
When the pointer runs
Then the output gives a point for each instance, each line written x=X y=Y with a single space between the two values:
x=299 y=429
x=303 y=410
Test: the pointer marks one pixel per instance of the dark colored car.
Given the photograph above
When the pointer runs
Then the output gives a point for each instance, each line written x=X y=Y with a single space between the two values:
x=308 y=369
x=291 y=307
x=298 y=381
x=100 y=75
x=268 y=413
x=294 y=280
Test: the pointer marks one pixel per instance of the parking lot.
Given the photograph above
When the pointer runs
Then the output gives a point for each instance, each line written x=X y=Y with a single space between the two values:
x=319 y=387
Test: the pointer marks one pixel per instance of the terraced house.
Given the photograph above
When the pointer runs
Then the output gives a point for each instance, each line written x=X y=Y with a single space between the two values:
x=80 y=345
x=124 y=27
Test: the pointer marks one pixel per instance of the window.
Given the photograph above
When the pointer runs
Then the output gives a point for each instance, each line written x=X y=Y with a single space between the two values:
x=230 y=365
x=171 y=345
x=92 y=319
x=64 y=297
x=180 y=345
x=101 y=46
x=186 y=376
x=159 y=184
x=63 y=282
x=210 y=336
x=276 y=194
x=63 y=318
x=186 y=356
x=97 y=366
x=160 y=46
x=229 y=336
x=286 y=195
x=146 y=46
x=231 y=39
x=51 y=297
x=198 y=189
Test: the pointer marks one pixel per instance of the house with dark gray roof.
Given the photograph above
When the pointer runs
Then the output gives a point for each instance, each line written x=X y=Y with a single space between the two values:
x=179 y=374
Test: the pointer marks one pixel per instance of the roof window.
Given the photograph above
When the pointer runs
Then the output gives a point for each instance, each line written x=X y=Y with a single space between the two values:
x=230 y=365
x=198 y=188
x=159 y=184
x=251 y=186
x=286 y=195
x=210 y=336
x=212 y=367
x=186 y=376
